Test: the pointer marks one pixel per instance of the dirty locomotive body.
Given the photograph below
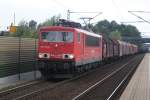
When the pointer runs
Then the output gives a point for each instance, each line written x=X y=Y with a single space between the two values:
x=65 y=51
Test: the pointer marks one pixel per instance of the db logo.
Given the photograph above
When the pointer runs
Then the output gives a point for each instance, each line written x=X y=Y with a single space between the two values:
x=56 y=45
x=93 y=51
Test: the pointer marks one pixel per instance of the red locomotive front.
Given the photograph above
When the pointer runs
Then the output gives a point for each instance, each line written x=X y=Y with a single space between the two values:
x=56 y=50
x=65 y=51
x=56 y=44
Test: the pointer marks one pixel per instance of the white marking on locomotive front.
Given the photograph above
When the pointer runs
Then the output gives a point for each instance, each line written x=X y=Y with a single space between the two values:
x=93 y=51
x=44 y=46
x=56 y=45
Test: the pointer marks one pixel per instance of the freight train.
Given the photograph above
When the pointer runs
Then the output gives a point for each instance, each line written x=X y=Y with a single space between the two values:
x=67 y=50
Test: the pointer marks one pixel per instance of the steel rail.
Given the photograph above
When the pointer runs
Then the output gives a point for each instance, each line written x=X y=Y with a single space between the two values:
x=18 y=87
x=122 y=82
x=54 y=86
x=99 y=82
x=57 y=84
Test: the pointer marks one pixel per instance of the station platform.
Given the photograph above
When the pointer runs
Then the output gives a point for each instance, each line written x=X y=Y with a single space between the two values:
x=139 y=85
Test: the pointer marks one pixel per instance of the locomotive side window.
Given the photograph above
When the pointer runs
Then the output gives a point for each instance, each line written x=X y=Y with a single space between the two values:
x=78 y=37
x=56 y=36
x=91 y=41
x=44 y=35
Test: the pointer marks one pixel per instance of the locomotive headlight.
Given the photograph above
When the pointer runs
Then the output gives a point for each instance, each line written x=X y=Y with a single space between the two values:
x=68 y=56
x=40 y=55
x=44 y=55
x=71 y=56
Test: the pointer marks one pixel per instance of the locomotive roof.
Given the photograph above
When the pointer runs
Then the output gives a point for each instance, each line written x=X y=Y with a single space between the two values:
x=127 y=43
x=70 y=28
x=88 y=33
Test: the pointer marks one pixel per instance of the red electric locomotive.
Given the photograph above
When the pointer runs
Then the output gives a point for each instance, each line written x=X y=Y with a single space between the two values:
x=65 y=51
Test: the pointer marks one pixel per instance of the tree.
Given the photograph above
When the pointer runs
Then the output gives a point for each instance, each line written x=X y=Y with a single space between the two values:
x=25 y=29
x=114 y=26
x=22 y=29
x=130 y=31
x=50 y=22
x=33 y=28
x=102 y=26
x=115 y=35
x=88 y=27
x=32 y=25
x=114 y=30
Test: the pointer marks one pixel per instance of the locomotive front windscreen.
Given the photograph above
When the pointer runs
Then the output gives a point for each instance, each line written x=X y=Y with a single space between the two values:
x=57 y=36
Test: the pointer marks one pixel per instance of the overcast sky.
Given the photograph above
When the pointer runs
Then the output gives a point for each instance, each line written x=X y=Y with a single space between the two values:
x=40 y=10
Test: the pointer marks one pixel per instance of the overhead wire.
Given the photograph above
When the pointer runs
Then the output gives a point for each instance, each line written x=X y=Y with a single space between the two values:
x=133 y=22
x=131 y=12
x=61 y=4
x=141 y=11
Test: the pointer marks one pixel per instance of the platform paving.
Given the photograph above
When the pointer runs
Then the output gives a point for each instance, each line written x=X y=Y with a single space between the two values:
x=139 y=85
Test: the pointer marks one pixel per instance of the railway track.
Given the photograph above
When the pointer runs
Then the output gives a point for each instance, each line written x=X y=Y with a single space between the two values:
x=108 y=87
x=17 y=91
x=79 y=88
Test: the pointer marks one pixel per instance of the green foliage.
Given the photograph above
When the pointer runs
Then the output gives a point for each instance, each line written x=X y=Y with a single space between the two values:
x=33 y=28
x=115 y=35
x=108 y=29
x=29 y=29
x=89 y=27
x=25 y=29
x=117 y=31
x=102 y=27
x=50 y=22
x=129 y=31
x=32 y=25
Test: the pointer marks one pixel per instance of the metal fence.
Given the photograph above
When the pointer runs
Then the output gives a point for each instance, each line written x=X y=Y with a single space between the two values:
x=17 y=55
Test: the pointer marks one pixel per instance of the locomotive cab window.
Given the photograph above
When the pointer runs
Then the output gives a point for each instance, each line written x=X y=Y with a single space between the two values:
x=57 y=36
